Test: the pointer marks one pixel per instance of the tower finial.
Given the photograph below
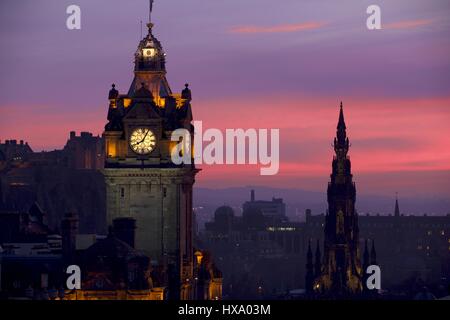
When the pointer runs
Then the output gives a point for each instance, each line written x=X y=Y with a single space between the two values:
x=341 y=123
x=397 y=208
x=150 y=23
x=150 y=11
x=341 y=141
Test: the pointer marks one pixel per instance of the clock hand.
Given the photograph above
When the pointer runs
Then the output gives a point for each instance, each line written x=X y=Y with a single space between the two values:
x=144 y=137
x=138 y=143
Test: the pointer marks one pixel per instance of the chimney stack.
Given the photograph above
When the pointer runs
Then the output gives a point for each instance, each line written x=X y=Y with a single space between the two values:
x=308 y=213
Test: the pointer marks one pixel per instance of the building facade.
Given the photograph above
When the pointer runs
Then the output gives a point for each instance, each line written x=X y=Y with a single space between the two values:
x=275 y=209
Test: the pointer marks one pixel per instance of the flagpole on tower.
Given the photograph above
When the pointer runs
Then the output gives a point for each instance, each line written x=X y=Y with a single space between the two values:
x=150 y=11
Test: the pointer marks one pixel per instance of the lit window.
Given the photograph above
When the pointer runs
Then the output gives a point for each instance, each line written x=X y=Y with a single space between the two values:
x=429 y=232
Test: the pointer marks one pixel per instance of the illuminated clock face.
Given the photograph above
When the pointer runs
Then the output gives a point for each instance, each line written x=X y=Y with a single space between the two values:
x=149 y=53
x=142 y=141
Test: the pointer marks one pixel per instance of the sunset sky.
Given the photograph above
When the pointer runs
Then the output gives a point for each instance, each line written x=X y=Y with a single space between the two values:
x=250 y=64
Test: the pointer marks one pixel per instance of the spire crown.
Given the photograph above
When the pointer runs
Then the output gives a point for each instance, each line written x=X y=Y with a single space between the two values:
x=397 y=208
x=341 y=143
x=150 y=55
x=341 y=122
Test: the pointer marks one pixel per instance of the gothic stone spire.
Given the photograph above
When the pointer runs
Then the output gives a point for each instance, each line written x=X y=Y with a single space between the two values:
x=341 y=267
x=317 y=262
x=309 y=278
x=397 y=208
x=341 y=142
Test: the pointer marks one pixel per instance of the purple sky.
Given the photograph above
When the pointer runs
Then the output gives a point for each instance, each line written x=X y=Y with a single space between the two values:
x=253 y=63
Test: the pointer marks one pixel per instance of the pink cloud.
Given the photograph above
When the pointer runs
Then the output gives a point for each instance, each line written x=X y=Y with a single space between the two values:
x=408 y=24
x=47 y=127
x=387 y=135
x=278 y=28
x=391 y=138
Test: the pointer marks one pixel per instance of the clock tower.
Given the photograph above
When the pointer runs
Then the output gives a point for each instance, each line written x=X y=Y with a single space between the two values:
x=141 y=180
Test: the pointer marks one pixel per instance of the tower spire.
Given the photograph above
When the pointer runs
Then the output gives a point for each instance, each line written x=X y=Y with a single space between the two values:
x=373 y=254
x=341 y=265
x=341 y=142
x=341 y=123
x=397 y=208
x=317 y=262
x=309 y=277
x=150 y=65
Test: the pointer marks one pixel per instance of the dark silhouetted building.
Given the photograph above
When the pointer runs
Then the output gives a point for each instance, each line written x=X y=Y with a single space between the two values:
x=275 y=209
x=84 y=151
x=341 y=267
x=249 y=247
x=55 y=180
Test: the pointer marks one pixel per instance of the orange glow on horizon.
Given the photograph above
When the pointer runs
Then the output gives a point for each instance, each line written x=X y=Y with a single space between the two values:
x=407 y=137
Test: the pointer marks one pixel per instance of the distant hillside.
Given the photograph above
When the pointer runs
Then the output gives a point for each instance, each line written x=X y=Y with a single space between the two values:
x=298 y=200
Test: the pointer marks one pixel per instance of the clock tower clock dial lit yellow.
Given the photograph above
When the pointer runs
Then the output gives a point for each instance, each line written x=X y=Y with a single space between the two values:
x=142 y=141
x=149 y=52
